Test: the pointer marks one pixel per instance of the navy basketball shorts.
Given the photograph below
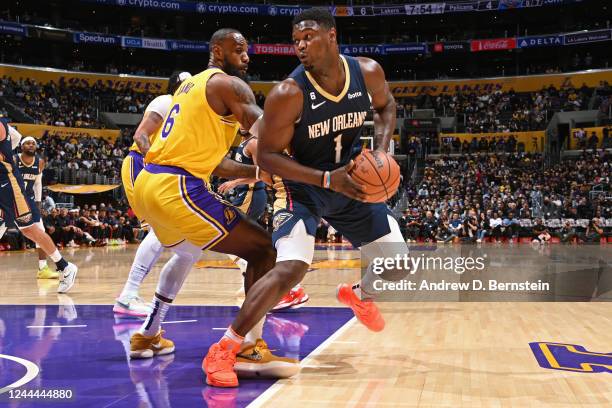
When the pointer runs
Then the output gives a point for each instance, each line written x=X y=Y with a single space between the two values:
x=15 y=207
x=299 y=208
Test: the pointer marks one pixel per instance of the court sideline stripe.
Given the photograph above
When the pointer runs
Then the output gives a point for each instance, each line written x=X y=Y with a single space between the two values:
x=269 y=393
x=52 y=326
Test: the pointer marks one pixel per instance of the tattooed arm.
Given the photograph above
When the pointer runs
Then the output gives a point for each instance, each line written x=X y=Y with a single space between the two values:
x=230 y=95
x=150 y=123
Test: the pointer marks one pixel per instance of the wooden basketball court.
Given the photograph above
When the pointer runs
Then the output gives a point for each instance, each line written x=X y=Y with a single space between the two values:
x=431 y=354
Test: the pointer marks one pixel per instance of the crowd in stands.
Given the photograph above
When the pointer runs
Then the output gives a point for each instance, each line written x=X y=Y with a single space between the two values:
x=498 y=111
x=92 y=225
x=509 y=197
x=96 y=155
x=70 y=105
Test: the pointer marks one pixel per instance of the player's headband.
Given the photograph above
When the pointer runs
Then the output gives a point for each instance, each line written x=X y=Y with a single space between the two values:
x=307 y=24
x=28 y=139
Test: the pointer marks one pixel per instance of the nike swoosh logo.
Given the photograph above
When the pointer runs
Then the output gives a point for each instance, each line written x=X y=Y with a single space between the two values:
x=4 y=185
x=313 y=106
x=254 y=356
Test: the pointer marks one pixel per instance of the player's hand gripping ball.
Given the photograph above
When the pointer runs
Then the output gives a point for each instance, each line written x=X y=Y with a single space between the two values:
x=378 y=173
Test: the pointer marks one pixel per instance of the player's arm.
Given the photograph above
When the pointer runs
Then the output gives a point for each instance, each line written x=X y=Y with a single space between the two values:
x=382 y=102
x=38 y=183
x=283 y=107
x=150 y=123
x=229 y=168
x=15 y=137
x=229 y=95
x=250 y=150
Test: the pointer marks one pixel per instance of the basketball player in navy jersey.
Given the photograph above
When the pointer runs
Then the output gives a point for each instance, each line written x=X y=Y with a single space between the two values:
x=31 y=167
x=18 y=209
x=317 y=114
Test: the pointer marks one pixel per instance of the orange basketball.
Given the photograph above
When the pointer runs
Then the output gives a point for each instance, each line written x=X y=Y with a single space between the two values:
x=379 y=173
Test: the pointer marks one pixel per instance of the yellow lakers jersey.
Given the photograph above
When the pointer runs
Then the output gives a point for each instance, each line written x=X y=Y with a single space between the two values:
x=193 y=136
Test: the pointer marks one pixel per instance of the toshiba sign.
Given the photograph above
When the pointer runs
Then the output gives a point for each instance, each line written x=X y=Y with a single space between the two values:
x=494 y=44
x=274 y=49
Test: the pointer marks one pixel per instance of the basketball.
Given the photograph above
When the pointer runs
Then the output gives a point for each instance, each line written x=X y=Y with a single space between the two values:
x=379 y=173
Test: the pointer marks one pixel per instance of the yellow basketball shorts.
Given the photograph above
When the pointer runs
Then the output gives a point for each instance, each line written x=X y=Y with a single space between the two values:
x=132 y=165
x=180 y=207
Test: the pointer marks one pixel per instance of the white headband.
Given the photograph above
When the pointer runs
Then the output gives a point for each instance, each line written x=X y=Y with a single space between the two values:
x=28 y=139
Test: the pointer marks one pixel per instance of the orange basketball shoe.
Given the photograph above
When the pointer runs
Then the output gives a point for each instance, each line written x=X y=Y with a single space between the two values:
x=219 y=364
x=365 y=310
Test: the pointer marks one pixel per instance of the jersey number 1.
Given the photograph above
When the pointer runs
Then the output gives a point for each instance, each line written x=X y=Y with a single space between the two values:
x=338 y=148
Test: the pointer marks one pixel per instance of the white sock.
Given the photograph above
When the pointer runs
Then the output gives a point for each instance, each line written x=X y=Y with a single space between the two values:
x=42 y=263
x=256 y=332
x=2 y=229
x=55 y=256
x=147 y=255
x=153 y=323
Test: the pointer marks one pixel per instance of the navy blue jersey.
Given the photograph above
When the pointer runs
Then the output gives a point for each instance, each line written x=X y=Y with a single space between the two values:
x=327 y=135
x=29 y=173
x=242 y=190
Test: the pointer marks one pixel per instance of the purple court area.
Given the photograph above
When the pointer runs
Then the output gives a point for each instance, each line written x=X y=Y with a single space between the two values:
x=90 y=358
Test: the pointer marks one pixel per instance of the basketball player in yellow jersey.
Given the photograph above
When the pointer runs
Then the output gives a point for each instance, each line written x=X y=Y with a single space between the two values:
x=129 y=303
x=173 y=195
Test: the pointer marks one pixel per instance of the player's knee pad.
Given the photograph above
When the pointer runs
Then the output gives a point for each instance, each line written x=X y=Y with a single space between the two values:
x=175 y=271
x=297 y=246
x=186 y=251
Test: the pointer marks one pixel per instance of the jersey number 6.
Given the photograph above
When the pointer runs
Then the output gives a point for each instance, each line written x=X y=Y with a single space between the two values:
x=170 y=121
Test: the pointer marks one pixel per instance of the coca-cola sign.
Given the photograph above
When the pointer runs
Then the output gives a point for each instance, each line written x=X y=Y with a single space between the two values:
x=493 y=45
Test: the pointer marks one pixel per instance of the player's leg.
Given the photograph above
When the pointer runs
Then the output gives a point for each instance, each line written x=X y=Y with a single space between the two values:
x=44 y=272
x=24 y=214
x=189 y=218
x=294 y=241
x=149 y=250
x=148 y=341
x=67 y=270
x=372 y=227
x=129 y=301
x=253 y=205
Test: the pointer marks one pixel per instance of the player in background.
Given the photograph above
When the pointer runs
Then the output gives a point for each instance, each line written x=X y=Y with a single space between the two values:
x=251 y=198
x=31 y=167
x=129 y=302
x=18 y=209
x=317 y=114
